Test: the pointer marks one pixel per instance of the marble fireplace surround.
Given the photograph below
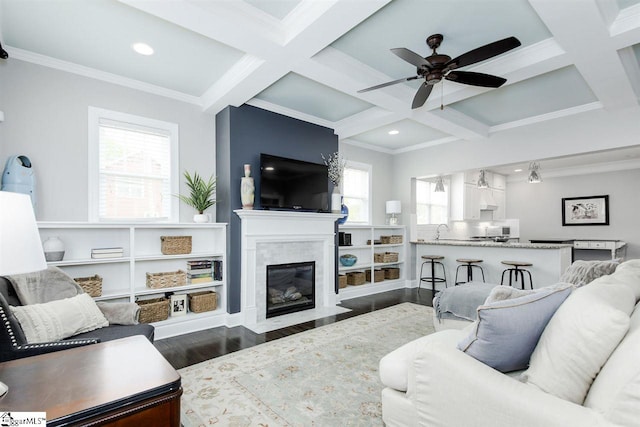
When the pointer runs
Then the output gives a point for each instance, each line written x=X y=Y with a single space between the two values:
x=281 y=237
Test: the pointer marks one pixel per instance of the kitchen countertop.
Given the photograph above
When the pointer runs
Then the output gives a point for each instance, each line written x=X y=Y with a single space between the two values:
x=490 y=244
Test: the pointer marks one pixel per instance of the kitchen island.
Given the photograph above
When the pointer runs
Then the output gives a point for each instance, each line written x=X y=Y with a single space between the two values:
x=549 y=260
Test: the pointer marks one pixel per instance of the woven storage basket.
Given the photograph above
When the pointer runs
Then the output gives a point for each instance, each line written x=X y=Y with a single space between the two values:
x=385 y=257
x=342 y=281
x=378 y=275
x=175 y=245
x=153 y=310
x=199 y=302
x=91 y=285
x=391 y=240
x=355 y=278
x=166 y=280
x=391 y=273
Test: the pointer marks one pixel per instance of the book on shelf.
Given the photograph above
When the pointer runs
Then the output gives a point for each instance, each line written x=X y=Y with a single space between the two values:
x=217 y=270
x=197 y=280
x=106 y=250
x=199 y=275
x=107 y=255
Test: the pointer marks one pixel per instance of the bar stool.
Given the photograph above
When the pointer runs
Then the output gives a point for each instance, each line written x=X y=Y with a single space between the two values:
x=516 y=271
x=433 y=260
x=469 y=264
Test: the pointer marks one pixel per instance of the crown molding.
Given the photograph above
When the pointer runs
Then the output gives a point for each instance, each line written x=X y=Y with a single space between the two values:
x=70 y=67
x=265 y=105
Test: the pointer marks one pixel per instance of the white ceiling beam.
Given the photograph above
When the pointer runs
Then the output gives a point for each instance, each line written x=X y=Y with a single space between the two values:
x=366 y=120
x=580 y=28
x=625 y=30
x=452 y=122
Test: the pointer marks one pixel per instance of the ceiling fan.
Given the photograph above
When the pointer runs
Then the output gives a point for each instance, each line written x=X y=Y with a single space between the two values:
x=435 y=67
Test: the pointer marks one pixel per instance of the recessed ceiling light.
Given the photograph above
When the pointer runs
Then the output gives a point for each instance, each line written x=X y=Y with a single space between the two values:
x=269 y=168
x=394 y=132
x=143 y=49
x=517 y=170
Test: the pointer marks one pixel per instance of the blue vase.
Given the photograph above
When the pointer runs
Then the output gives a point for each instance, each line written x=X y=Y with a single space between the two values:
x=344 y=210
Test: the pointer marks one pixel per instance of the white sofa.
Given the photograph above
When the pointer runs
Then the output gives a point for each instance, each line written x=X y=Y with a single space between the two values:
x=430 y=382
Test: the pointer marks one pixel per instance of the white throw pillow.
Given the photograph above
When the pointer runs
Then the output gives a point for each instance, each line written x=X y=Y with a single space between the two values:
x=616 y=373
x=56 y=320
x=579 y=339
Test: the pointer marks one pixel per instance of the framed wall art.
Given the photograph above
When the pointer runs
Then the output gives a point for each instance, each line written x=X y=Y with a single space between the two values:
x=591 y=210
x=178 y=304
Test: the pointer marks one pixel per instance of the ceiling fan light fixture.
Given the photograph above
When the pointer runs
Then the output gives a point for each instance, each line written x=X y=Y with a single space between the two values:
x=534 y=173
x=142 y=49
x=482 y=179
x=439 y=185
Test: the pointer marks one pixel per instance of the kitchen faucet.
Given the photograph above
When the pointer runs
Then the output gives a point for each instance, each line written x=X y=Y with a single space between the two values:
x=438 y=230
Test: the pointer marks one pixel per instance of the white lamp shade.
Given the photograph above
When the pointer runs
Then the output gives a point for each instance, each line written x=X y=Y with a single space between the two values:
x=20 y=247
x=393 y=207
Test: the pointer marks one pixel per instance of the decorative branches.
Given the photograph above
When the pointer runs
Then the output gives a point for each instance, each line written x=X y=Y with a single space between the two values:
x=336 y=164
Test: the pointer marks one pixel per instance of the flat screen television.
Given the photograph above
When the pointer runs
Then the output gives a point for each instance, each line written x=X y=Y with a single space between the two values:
x=290 y=184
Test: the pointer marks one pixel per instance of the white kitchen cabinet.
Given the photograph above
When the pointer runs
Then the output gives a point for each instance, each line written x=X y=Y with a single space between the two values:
x=360 y=237
x=124 y=278
x=466 y=198
x=499 y=198
x=498 y=182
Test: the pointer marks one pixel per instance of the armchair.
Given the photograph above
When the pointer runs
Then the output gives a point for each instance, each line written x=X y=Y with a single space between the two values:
x=13 y=343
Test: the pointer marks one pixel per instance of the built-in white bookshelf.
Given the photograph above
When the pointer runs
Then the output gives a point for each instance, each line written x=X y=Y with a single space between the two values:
x=365 y=243
x=124 y=278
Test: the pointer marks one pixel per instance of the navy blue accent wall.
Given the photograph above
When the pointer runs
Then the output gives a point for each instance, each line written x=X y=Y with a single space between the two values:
x=242 y=133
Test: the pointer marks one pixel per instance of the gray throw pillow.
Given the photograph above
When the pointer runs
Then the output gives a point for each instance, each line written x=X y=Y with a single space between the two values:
x=581 y=272
x=508 y=330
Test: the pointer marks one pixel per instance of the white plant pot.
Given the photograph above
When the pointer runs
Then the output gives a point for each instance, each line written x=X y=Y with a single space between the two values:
x=200 y=218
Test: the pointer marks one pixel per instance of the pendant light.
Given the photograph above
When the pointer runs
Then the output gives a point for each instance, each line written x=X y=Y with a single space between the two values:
x=439 y=185
x=482 y=180
x=534 y=173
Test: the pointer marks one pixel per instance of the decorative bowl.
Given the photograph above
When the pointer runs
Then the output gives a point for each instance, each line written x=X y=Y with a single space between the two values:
x=348 y=260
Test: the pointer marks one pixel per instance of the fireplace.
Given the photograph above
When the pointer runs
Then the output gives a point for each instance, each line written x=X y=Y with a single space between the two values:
x=290 y=287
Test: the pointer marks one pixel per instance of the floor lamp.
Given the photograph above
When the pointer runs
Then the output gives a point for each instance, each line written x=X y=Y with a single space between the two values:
x=20 y=246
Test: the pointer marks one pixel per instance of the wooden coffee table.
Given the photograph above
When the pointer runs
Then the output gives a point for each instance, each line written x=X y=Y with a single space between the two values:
x=124 y=382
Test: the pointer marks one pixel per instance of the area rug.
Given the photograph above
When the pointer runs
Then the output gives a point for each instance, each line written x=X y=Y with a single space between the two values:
x=326 y=376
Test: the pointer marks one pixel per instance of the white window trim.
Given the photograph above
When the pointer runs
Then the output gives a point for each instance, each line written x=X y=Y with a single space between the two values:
x=95 y=114
x=369 y=169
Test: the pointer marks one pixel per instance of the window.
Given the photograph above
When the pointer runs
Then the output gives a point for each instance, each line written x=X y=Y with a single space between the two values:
x=133 y=168
x=431 y=207
x=356 y=188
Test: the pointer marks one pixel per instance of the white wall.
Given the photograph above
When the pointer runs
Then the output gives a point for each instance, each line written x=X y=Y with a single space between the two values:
x=539 y=207
x=46 y=120
x=383 y=182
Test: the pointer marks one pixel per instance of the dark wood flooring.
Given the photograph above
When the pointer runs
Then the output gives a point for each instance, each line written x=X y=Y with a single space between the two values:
x=196 y=347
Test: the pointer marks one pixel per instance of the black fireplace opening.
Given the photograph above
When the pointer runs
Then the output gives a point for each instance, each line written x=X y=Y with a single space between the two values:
x=290 y=288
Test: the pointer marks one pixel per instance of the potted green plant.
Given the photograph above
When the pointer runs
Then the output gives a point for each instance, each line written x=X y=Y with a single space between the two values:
x=201 y=194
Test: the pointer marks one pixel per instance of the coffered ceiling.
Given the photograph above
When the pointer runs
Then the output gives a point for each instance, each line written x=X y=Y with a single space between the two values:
x=308 y=58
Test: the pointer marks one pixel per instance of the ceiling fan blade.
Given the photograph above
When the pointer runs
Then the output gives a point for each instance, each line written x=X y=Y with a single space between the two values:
x=388 y=84
x=421 y=95
x=484 y=52
x=411 y=57
x=475 y=79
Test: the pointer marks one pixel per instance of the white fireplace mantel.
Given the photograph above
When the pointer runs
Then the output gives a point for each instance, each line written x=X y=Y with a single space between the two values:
x=281 y=237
